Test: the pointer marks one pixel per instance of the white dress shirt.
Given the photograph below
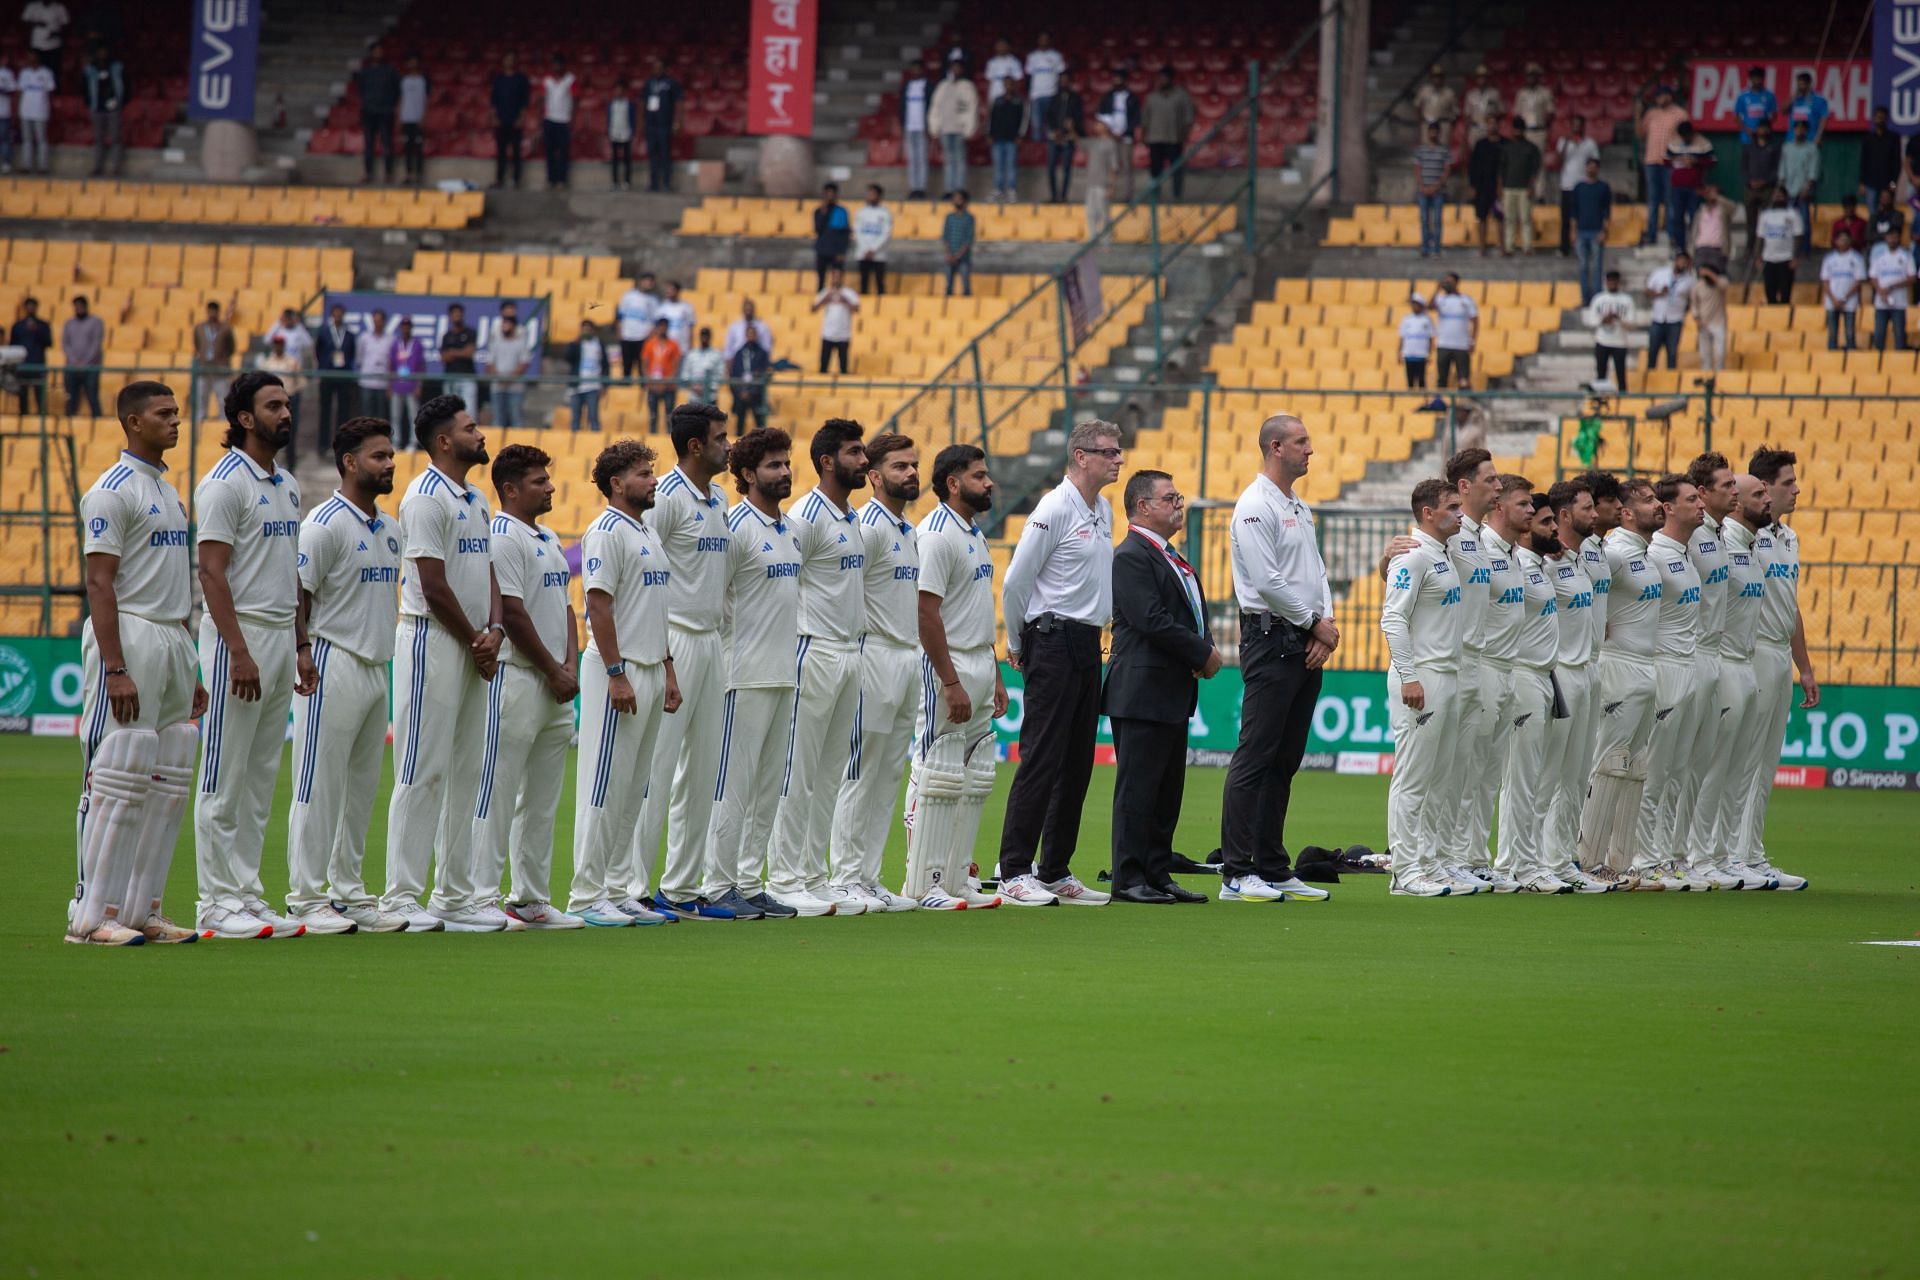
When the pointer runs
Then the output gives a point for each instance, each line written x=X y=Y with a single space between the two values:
x=1276 y=557
x=1063 y=564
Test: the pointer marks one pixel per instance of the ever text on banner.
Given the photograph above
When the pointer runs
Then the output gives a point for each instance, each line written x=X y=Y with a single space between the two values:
x=1896 y=62
x=1718 y=83
x=224 y=57
x=781 y=48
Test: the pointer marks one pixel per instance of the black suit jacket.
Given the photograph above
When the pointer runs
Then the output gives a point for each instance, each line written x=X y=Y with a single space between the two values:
x=1157 y=646
x=323 y=348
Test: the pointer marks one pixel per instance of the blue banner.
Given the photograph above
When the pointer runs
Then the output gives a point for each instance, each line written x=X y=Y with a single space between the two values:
x=1896 y=62
x=224 y=58
x=428 y=311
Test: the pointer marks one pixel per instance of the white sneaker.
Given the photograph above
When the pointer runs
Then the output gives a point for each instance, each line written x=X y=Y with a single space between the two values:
x=1679 y=873
x=324 y=920
x=482 y=919
x=1465 y=884
x=640 y=913
x=1781 y=879
x=542 y=915
x=1250 y=889
x=1616 y=881
x=1582 y=882
x=1496 y=879
x=1298 y=890
x=1748 y=877
x=888 y=900
x=1715 y=876
x=1027 y=891
x=160 y=929
x=605 y=915
x=371 y=918
x=224 y=922
x=803 y=904
x=1418 y=887
x=1074 y=894
x=283 y=926
x=1544 y=882
x=979 y=901
x=846 y=902
x=421 y=920
x=939 y=900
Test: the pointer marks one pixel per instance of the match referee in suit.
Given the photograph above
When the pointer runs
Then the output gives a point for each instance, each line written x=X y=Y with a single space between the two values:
x=1161 y=651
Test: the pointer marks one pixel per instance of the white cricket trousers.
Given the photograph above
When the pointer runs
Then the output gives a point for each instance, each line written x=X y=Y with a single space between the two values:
x=339 y=737
x=1569 y=762
x=1526 y=787
x=819 y=746
x=1676 y=714
x=1481 y=759
x=686 y=756
x=439 y=745
x=753 y=742
x=616 y=756
x=528 y=734
x=1773 y=682
x=882 y=738
x=1623 y=721
x=1423 y=746
x=1735 y=752
x=1693 y=819
x=953 y=771
x=241 y=744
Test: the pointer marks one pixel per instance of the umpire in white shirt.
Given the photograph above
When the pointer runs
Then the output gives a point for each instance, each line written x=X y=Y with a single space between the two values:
x=1057 y=598
x=1286 y=636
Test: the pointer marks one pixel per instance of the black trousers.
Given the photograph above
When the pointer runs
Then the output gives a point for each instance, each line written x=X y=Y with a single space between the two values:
x=414 y=140
x=1417 y=372
x=82 y=385
x=659 y=158
x=873 y=276
x=1455 y=363
x=1162 y=154
x=1618 y=357
x=339 y=400
x=506 y=151
x=823 y=263
x=828 y=350
x=1276 y=712
x=629 y=358
x=1566 y=224
x=1149 y=781
x=1778 y=277
x=376 y=131
x=556 y=136
x=622 y=164
x=1061 y=667
x=1059 y=170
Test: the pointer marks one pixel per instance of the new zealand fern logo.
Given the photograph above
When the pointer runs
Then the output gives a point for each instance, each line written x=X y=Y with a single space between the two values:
x=18 y=683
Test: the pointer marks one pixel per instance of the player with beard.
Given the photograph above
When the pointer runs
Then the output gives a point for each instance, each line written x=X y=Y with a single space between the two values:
x=1780 y=646
x=1740 y=747
x=1522 y=852
x=1712 y=475
x=1569 y=754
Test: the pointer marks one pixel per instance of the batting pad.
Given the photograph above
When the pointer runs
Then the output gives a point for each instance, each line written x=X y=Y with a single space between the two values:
x=167 y=795
x=1612 y=811
x=111 y=813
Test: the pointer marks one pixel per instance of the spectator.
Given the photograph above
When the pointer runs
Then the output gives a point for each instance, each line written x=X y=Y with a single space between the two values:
x=336 y=350
x=1842 y=277
x=1066 y=125
x=1592 y=219
x=1456 y=322
x=1519 y=166
x=1689 y=161
x=1006 y=126
x=1708 y=302
x=702 y=369
x=1712 y=229
x=1416 y=341
x=587 y=362
x=1575 y=149
x=413 y=121
x=955 y=115
x=1778 y=235
x=748 y=370
x=956 y=239
x=678 y=313
x=662 y=94
x=9 y=86
x=872 y=232
x=1850 y=220
x=82 y=338
x=1485 y=110
x=1119 y=109
x=634 y=316
x=556 y=125
x=375 y=367
x=1044 y=69
x=1756 y=106
x=299 y=342
x=1534 y=105
x=1892 y=274
x=511 y=94
x=1808 y=108
x=1879 y=159
x=36 y=109
x=35 y=336
x=379 y=99
x=915 y=102
x=104 y=82
x=621 y=114
x=1003 y=69
x=46 y=22
x=1483 y=175
x=409 y=362
x=509 y=356
x=458 y=343
x=285 y=365
x=1759 y=176
x=1655 y=128
x=1432 y=162
x=1800 y=174
x=1102 y=156
x=1436 y=101
x=832 y=233
x=748 y=328
x=837 y=303
x=1166 y=118
x=1608 y=315
x=213 y=351
x=660 y=360
x=1668 y=289
x=1888 y=222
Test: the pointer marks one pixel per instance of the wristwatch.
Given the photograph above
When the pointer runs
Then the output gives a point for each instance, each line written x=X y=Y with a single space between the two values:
x=616 y=669
x=501 y=627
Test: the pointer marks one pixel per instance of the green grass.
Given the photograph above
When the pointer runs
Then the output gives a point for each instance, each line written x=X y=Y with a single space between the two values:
x=1650 y=1084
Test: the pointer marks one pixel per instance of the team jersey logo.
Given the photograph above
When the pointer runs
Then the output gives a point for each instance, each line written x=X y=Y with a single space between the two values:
x=1402 y=579
x=97 y=526
x=593 y=564
x=393 y=544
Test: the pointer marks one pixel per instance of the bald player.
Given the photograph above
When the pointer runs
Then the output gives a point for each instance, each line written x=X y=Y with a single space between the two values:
x=1712 y=475
x=1569 y=752
x=1740 y=746
x=1780 y=647
x=1527 y=787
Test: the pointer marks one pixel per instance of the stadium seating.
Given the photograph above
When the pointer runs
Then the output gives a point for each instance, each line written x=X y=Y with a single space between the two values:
x=1024 y=223
x=1398 y=226
x=105 y=200
x=147 y=38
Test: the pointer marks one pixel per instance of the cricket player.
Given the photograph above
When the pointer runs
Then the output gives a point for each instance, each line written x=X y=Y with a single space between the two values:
x=889 y=674
x=140 y=692
x=530 y=699
x=447 y=649
x=627 y=684
x=1741 y=745
x=1481 y=765
x=960 y=688
x=1781 y=645
x=349 y=566
x=763 y=598
x=833 y=617
x=1610 y=816
x=689 y=522
x=1421 y=615
x=251 y=640
x=1712 y=475
x=1569 y=754
x=1526 y=789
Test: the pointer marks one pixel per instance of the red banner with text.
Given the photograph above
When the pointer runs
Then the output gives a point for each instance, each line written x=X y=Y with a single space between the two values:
x=780 y=79
x=1718 y=83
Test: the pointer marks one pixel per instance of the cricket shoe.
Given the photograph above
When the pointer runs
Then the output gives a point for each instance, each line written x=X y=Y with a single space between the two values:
x=1715 y=876
x=867 y=897
x=741 y=908
x=1250 y=889
x=1298 y=890
x=690 y=909
x=283 y=926
x=640 y=913
x=225 y=922
x=477 y=919
x=804 y=905
x=371 y=917
x=1544 y=883
x=1748 y=877
x=1781 y=879
x=160 y=929
x=983 y=901
x=1027 y=891
x=1686 y=876
x=604 y=915
x=542 y=915
x=1581 y=882
x=1418 y=887
x=324 y=920
x=936 y=900
x=109 y=933
x=1072 y=893
x=763 y=903
x=889 y=901
x=1614 y=880
x=1463 y=882
x=1663 y=877
x=846 y=902
x=1495 y=879
x=421 y=920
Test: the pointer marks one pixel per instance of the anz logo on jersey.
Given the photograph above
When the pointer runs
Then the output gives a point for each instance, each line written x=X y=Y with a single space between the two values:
x=1512 y=595
x=1650 y=593
x=1755 y=590
x=1580 y=600
x=1451 y=597
x=1789 y=572
x=1690 y=596
x=1480 y=576
x=1716 y=575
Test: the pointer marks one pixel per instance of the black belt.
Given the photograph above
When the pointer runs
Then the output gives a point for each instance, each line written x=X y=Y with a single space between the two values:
x=1047 y=623
x=1264 y=622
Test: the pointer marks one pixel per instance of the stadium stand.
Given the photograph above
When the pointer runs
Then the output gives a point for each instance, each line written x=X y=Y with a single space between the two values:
x=1398 y=227
x=106 y=200
x=997 y=223
x=145 y=37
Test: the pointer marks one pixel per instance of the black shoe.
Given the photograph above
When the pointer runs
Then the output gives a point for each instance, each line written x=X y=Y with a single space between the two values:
x=1182 y=865
x=1144 y=894
x=770 y=909
x=1180 y=893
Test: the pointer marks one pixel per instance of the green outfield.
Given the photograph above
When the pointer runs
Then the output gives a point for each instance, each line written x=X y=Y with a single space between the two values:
x=1652 y=1084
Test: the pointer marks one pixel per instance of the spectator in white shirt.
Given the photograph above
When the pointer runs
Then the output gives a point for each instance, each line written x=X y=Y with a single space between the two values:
x=413 y=120
x=1416 y=341
x=47 y=22
x=1893 y=273
x=703 y=369
x=1778 y=235
x=1667 y=290
x=747 y=326
x=1842 y=276
x=622 y=112
x=1002 y=67
x=1608 y=315
x=374 y=359
x=1574 y=150
x=36 y=109
x=634 y=315
x=916 y=94
x=1456 y=329
x=678 y=313
x=509 y=356
x=872 y=231
x=1044 y=66
x=557 y=124
x=836 y=303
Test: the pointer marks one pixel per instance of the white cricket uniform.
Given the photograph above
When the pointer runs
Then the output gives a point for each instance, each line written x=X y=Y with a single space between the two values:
x=1480 y=767
x=691 y=530
x=1421 y=615
x=132 y=513
x=1778 y=549
x=1740 y=744
x=953 y=764
x=1527 y=788
x=1593 y=559
x=1694 y=811
x=1467 y=550
x=1677 y=700
x=257 y=514
x=833 y=617
x=1626 y=678
x=763 y=593
x=528 y=732
x=439 y=701
x=889 y=693
x=620 y=557
x=1569 y=756
x=349 y=566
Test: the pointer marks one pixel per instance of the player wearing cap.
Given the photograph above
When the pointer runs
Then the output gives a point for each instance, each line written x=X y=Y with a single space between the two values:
x=254 y=652
x=1741 y=746
x=1694 y=810
x=1526 y=789
x=1569 y=751
x=349 y=566
x=1780 y=646
x=889 y=674
x=139 y=695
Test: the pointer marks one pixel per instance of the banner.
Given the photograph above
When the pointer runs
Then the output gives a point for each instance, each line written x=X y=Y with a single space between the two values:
x=780 y=56
x=428 y=311
x=40 y=685
x=223 y=57
x=1896 y=62
x=1848 y=87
